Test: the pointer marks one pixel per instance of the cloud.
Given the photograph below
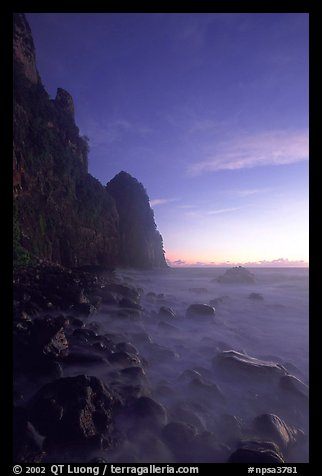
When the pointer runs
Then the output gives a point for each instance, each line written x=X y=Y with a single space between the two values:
x=162 y=201
x=246 y=192
x=178 y=262
x=222 y=210
x=270 y=148
x=275 y=263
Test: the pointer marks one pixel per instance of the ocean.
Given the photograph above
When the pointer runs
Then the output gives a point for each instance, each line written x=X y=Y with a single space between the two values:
x=190 y=371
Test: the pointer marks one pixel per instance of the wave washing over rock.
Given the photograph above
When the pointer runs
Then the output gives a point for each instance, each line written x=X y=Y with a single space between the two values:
x=137 y=367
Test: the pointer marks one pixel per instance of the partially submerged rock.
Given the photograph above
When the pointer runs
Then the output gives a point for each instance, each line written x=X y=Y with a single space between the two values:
x=273 y=428
x=237 y=275
x=245 y=366
x=257 y=452
x=202 y=312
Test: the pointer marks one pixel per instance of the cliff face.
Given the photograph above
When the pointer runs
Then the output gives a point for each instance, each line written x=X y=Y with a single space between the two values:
x=62 y=213
x=140 y=242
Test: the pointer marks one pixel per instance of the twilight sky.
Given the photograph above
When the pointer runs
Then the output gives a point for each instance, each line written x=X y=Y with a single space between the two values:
x=208 y=111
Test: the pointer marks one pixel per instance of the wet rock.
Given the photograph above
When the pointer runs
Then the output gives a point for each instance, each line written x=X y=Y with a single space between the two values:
x=207 y=391
x=73 y=409
x=128 y=313
x=189 y=374
x=126 y=347
x=273 y=428
x=84 y=308
x=84 y=358
x=256 y=296
x=179 y=437
x=242 y=366
x=237 y=275
x=159 y=353
x=109 y=299
x=167 y=312
x=207 y=449
x=124 y=359
x=257 y=452
x=147 y=412
x=134 y=374
x=142 y=338
x=123 y=291
x=129 y=304
x=201 y=312
x=85 y=335
x=219 y=300
x=151 y=296
x=230 y=428
x=75 y=322
x=294 y=386
x=185 y=411
x=48 y=336
x=27 y=442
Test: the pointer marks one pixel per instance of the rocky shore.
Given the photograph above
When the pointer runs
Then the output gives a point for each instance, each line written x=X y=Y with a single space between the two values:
x=83 y=392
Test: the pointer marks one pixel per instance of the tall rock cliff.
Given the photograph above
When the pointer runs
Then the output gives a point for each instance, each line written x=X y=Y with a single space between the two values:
x=62 y=213
x=140 y=242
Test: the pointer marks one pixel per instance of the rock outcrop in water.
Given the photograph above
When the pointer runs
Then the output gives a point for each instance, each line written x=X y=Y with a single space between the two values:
x=61 y=213
x=237 y=275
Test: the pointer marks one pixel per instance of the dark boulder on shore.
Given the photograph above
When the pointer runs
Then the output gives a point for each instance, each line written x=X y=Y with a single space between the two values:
x=242 y=366
x=257 y=452
x=28 y=444
x=73 y=410
x=202 y=312
x=273 y=428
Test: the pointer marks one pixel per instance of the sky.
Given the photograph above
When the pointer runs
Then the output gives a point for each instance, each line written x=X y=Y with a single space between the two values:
x=208 y=111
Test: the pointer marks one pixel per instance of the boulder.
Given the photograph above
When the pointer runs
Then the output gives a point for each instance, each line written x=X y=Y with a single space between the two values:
x=294 y=386
x=27 y=443
x=243 y=366
x=73 y=409
x=257 y=452
x=124 y=359
x=129 y=304
x=202 y=312
x=149 y=413
x=166 y=312
x=256 y=296
x=48 y=336
x=179 y=437
x=273 y=428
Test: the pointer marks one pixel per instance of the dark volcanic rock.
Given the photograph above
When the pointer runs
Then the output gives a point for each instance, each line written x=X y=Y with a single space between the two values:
x=295 y=387
x=149 y=413
x=167 y=312
x=179 y=437
x=256 y=296
x=27 y=443
x=74 y=409
x=48 y=336
x=202 y=312
x=273 y=428
x=244 y=366
x=124 y=359
x=257 y=452
x=84 y=308
x=237 y=275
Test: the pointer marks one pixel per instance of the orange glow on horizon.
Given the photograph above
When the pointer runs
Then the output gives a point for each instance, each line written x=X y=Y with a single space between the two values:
x=184 y=260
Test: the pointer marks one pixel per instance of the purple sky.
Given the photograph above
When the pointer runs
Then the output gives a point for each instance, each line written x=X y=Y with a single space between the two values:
x=208 y=111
